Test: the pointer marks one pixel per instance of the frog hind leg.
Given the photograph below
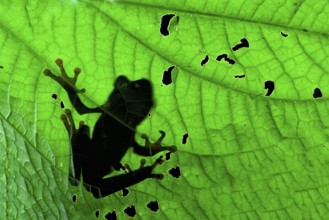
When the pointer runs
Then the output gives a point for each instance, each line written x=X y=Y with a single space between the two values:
x=79 y=139
x=104 y=187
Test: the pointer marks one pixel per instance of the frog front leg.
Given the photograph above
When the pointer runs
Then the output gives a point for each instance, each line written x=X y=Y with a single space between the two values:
x=68 y=83
x=152 y=149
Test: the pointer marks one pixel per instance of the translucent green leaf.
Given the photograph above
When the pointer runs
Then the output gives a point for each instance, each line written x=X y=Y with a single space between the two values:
x=248 y=154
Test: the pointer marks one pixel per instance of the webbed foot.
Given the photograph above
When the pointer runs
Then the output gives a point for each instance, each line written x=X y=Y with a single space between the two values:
x=68 y=83
x=156 y=146
x=142 y=165
x=70 y=125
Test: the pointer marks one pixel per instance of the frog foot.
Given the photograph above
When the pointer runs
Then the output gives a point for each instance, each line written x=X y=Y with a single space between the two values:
x=142 y=165
x=156 y=146
x=69 y=123
x=68 y=83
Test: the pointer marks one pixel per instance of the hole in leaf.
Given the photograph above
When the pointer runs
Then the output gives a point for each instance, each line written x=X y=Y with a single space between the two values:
x=166 y=20
x=97 y=213
x=185 y=136
x=130 y=211
x=244 y=43
x=54 y=96
x=153 y=205
x=240 y=76
x=74 y=198
x=224 y=56
x=125 y=192
x=168 y=155
x=175 y=172
x=270 y=86
x=317 y=93
x=284 y=35
x=111 y=216
x=205 y=60
x=166 y=79
x=62 y=104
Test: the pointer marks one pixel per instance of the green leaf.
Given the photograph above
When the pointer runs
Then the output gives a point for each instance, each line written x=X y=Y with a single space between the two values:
x=248 y=155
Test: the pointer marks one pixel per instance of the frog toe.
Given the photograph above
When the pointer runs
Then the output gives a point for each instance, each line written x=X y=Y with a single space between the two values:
x=157 y=162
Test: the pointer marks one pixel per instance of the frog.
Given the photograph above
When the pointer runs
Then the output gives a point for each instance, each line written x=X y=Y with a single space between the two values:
x=93 y=158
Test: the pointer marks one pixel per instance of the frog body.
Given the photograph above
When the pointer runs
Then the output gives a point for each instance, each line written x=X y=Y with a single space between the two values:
x=94 y=157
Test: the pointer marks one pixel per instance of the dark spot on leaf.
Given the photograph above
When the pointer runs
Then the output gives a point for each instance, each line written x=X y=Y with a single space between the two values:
x=220 y=57
x=165 y=23
x=168 y=155
x=284 y=35
x=1 y=67
x=317 y=93
x=305 y=30
x=125 y=192
x=244 y=43
x=97 y=213
x=270 y=86
x=74 y=198
x=166 y=79
x=205 y=60
x=175 y=172
x=185 y=136
x=62 y=104
x=240 y=76
x=149 y=115
x=111 y=216
x=154 y=206
x=130 y=211
x=54 y=96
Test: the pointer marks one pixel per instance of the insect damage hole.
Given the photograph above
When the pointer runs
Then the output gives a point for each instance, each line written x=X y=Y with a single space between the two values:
x=130 y=211
x=184 y=140
x=226 y=58
x=270 y=86
x=240 y=76
x=167 y=78
x=153 y=206
x=167 y=21
x=205 y=60
x=175 y=172
x=284 y=34
x=54 y=96
x=74 y=198
x=97 y=213
x=317 y=93
x=244 y=43
x=168 y=155
x=111 y=216
x=62 y=105
x=125 y=192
